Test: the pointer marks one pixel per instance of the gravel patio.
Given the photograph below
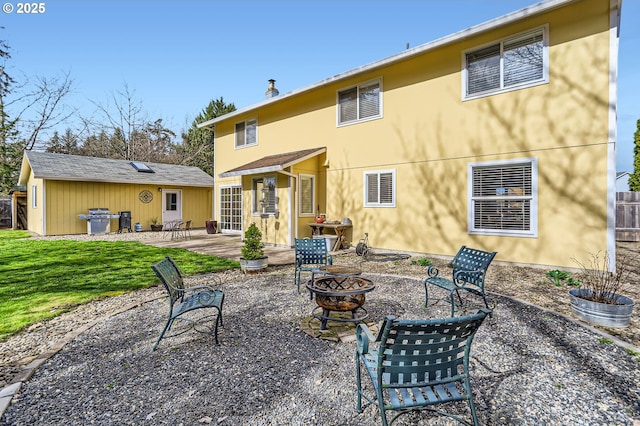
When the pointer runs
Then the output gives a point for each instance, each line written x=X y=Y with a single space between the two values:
x=530 y=366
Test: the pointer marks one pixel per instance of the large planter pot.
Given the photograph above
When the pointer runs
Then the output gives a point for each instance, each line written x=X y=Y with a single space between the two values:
x=156 y=227
x=211 y=225
x=253 y=266
x=605 y=314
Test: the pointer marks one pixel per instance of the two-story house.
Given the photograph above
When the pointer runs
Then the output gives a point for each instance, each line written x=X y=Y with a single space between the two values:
x=501 y=136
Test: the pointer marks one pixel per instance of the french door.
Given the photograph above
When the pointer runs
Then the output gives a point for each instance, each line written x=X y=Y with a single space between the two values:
x=230 y=209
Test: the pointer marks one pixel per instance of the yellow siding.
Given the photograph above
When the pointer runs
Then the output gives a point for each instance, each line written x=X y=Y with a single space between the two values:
x=66 y=200
x=429 y=135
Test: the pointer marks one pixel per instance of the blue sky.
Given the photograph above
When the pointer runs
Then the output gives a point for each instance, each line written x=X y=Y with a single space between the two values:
x=176 y=56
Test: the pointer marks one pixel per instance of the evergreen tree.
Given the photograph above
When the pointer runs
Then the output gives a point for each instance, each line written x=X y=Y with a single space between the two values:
x=197 y=144
x=634 y=178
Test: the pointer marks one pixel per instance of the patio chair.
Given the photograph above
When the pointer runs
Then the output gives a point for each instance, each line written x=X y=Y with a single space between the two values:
x=183 y=300
x=418 y=365
x=469 y=271
x=310 y=253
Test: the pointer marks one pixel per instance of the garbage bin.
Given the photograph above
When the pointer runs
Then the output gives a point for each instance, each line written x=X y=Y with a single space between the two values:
x=124 y=221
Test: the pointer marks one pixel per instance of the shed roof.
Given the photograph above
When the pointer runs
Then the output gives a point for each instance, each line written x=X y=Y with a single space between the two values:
x=47 y=165
x=273 y=163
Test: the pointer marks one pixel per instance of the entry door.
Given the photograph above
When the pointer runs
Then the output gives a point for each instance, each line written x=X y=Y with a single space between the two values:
x=171 y=205
x=231 y=209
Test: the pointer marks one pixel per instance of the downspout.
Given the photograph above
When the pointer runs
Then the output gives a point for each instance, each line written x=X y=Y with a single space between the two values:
x=614 y=34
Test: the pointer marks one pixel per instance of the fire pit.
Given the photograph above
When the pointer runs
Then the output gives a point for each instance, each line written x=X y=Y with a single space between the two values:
x=341 y=292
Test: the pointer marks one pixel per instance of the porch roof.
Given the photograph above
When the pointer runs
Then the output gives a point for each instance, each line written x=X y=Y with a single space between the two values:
x=273 y=163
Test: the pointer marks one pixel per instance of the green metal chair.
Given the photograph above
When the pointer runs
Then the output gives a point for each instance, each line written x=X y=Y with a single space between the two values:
x=310 y=253
x=469 y=271
x=418 y=364
x=186 y=299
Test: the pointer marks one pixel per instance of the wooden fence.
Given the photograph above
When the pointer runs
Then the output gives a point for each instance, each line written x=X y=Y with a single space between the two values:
x=627 y=216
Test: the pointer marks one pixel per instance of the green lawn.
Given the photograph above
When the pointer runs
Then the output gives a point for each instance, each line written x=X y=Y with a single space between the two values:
x=40 y=279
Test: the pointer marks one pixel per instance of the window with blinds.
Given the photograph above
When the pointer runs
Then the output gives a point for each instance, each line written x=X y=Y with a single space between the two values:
x=246 y=133
x=503 y=198
x=509 y=64
x=379 y=189
x=359 y=103
x=307 y=194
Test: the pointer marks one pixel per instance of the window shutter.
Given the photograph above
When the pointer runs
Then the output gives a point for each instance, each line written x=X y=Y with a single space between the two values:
x=348 y=101
x=240 y=141
x=386 y=188
x=523 y=59
x=372 y=188
x=483 y=69
x=306 y=195
x=369 y=101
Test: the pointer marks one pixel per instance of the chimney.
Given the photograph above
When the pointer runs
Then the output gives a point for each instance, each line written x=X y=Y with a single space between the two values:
x=271 y=91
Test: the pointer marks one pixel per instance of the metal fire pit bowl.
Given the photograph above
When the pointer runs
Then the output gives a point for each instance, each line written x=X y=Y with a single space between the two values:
x=341 y=294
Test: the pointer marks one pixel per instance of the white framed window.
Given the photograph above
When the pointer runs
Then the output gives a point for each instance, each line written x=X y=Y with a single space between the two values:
x=380 y=188
x=360 y=103
x=34 y=196
x=503 y=197
x=307 y=195
x=264 y=195
x=247 y=133
x=510 y=64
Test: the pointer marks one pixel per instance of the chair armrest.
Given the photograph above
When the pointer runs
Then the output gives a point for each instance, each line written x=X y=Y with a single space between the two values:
x=432 y=271
x=363 y=337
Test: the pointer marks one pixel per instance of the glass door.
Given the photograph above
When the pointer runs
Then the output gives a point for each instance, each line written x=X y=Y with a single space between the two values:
x=231 y=209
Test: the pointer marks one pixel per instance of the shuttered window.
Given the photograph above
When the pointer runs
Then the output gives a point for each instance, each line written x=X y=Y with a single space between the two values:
x=503 y=198
x=379 y=189
x=246 y=133
x=512 y=63
x=359 y=103
x=307 y=194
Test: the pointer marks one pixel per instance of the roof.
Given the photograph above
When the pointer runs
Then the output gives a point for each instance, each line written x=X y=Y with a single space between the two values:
x=51 y=166
x=538 y=8
x=273 y=163
x=621 y=174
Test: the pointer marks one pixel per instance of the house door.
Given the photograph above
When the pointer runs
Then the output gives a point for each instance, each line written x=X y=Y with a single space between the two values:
x=171 y=205
x=230 y=209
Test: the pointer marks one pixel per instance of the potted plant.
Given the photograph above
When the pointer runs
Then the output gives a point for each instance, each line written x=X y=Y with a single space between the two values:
x=155 y=226
x=253 y=258
x=598 y=300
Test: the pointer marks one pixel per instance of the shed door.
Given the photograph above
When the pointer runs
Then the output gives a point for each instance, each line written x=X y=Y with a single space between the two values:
x=171 y=205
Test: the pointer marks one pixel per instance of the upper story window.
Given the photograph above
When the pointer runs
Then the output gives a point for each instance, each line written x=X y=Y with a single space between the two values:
x=360 y=103
x=246 y=133
x=504 y=197
x=510 y=64
x=380 y=188
x=307 y=195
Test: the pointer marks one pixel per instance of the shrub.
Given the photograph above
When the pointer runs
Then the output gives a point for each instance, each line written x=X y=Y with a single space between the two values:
x=600 y=284
x=252 y=248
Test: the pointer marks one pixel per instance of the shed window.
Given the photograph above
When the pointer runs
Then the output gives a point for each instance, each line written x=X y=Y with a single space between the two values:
x=141 y=167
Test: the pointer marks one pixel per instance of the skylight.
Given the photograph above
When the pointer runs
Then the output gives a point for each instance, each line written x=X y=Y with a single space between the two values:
x=141 y=167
